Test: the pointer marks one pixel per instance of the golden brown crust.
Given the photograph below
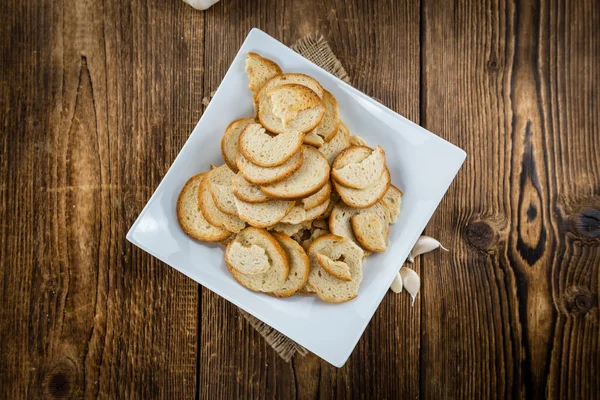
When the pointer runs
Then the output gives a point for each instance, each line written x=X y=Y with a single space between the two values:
x=229 y=131
x=342 y=192
x=214 y=197
x=339 y=159
x=284 y=175
x=219 y=234
x=281 y=80
x=339 y=162
x=280 y=237
x=322 y=198
x=327 y=138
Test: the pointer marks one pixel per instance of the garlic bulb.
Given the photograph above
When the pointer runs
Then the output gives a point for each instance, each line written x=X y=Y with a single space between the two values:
x=201 y=4
x=396 y=285
x=410 y=281
x=424 y=244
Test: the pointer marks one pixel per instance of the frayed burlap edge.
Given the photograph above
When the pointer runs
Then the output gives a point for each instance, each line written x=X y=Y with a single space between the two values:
x=316 y=49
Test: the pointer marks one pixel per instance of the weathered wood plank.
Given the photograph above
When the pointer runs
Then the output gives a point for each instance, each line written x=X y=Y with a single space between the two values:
x=100 y=120
x=497 y=83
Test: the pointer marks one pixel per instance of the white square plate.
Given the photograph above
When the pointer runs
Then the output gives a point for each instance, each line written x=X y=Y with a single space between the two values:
x=421 y=164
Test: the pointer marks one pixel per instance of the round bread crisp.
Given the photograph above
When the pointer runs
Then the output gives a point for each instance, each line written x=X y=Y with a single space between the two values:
x=221 y=187
x=263 y=215
x=363 y=198
x=190 y=217
x=246 y=191
x=328 y=287
x=265 y=150
x=229 y=141
x=356 y=140
x=212 y=214
x=265 y=176
x=292 y=78
x=309 y=179
x=340 y=141
x=290 y=108
x=358 y=166
x=275 y=276
x=328 y=126
x=299 y=266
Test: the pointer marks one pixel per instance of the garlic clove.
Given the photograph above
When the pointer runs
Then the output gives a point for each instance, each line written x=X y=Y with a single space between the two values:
x=411 y=282
x=424 y=244
x=201 y=4
x=396 y=285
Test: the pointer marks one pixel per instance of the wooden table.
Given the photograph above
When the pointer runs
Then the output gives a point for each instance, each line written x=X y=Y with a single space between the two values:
x=98 y=97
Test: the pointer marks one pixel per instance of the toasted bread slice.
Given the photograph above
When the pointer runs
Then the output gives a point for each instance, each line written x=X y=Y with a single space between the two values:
x=337 y=269
x=265 y=150
x=339 y=220
x=393 y=199
x=309 y=179
x=263 y=215
x=299 y=266
x=246 y=191
x=190 y=216
x=339 y=143
x=290 y=108
x=264 y=175
x=313 y=234
x=260 y=69
x=212 y=214
x=364 y=198
x=330 y=123
x=221 y=187
x=275 y=276
x=312 y=139
x=328 y=287
x=369 y=232
x=229 y=141
x=356 y=140
x=358 y=166
x=248 y=259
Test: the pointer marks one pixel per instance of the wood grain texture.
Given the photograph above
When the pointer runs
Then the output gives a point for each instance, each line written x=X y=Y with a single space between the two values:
x=97 y=99
x=521 y=291
x=85 y=142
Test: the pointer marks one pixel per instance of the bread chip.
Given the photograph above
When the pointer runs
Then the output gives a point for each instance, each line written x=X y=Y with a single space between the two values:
x=190 y=216
x=265 y=176
x=364 y=198
x=263 y=215
x=290 y=108
x=229 y=141
x=275 y=276
x=393 y=199
x=212 y=214
x=299 y=266
x=260 y=69
x=340 y=142
x=265 y=150
x=369 y=232
x=246 y=191
x=337 y=269
x=358 y=166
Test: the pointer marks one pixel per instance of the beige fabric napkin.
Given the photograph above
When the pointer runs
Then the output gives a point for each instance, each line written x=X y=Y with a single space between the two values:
x=316 y=49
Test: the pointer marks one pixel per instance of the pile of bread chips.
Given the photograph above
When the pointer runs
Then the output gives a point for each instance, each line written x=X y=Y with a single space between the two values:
x=299 y=202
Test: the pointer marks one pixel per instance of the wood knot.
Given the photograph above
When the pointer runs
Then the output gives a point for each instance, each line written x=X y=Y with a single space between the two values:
x=481 y=235
x=578 y=300
x=60 y=381
x=492 y=65
x=587 y=223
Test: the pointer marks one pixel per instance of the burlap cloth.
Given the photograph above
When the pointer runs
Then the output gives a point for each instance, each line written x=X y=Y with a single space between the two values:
x=316 y=49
